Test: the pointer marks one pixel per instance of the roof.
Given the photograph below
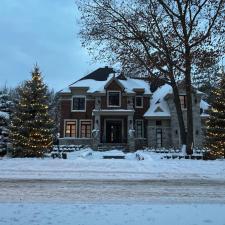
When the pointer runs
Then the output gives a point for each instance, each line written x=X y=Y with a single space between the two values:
x=100 y=78
x=158 y=105
x=101 y=74
x=131 y=84
x=92 y=79
x=205 y=107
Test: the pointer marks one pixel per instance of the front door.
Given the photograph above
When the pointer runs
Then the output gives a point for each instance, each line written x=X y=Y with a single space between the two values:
x=113 y=131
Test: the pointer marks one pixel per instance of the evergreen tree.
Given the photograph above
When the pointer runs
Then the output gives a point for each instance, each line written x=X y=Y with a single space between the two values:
x=31 y=125
x=5 y=108
x=216 y=124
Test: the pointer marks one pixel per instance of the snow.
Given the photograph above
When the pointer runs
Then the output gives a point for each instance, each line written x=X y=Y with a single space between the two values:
x=204 y=106
x=111 y=214
x=87 y=189
x=158 y=105
x=89 y=164
x=99 y=86
x=131 y=84
x=93 y=85
x=4 y=115
x=183 y=149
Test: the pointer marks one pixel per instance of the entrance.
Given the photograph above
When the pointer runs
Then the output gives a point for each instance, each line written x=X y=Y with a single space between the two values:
x=113 y=131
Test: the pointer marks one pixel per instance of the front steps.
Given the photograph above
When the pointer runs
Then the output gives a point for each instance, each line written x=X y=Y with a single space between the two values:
x=112 y=146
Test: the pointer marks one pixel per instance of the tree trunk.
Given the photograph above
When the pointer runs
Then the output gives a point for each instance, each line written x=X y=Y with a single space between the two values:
x=179 y=112
x=188 y=86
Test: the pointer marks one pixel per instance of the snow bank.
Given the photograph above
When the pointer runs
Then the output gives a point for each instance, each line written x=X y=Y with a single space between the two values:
x=88 y=164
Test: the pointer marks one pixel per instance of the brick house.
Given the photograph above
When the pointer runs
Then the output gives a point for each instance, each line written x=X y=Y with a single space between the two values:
x=104 y=108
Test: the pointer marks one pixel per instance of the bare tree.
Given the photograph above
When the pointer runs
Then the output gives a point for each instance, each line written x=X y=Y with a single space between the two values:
x=166 y=38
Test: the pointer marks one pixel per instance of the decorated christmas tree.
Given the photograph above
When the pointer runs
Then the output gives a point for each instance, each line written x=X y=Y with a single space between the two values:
x=216 y=123
x=5 y=108
x=31 y=125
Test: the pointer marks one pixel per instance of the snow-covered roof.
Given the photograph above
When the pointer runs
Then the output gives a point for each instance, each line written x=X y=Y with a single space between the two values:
x=158 y=105
x=132 y=84
x=4 y=115
x=94 y=85
x=205 y=107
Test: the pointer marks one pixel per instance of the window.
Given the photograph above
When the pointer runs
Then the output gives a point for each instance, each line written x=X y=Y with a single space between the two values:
x=139 y=129
x=114 y=98
x=70 y=129
x=158 y=137
x=79 y=103
x=183 y=101
x=158 y=123
x=85 y=128
x=139 y=102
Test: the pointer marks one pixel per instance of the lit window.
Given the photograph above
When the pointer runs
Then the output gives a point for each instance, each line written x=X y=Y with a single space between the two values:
x=139 y=129
x=139 y=102
x=70 y=129
x=158 y=137
x=85 y=129
x=79 y=103
x=113 y=98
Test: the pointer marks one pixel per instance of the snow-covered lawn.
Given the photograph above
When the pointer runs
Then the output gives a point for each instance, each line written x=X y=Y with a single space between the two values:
x=87 y=189
x=87 y=164
x=111 y=214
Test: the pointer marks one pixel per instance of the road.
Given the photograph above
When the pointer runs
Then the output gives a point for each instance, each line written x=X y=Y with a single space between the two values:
x=112 y=191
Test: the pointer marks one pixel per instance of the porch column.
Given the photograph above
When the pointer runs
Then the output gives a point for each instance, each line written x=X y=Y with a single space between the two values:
x=131 y=132
x=96 y=132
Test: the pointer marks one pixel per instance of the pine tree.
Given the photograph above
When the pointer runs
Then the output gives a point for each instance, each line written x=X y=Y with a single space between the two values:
x=5 y=108
x=216 y=124
x=31 y=125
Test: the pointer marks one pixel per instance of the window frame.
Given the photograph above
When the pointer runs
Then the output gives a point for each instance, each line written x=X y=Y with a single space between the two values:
x=79 y=110
x=80 y=130
x=142 y=130
x=142 y=101
x=76 y=127
x=115 y=91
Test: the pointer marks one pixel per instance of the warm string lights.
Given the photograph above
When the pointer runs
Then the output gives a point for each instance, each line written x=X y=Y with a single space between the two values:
x=31 y=127
x=216 y=124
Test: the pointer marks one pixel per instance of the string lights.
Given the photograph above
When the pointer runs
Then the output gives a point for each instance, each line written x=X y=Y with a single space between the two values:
x=31 y=126
x=215 y=132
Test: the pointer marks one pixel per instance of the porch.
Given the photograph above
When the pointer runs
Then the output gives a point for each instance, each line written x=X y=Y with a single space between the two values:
x=114 y=127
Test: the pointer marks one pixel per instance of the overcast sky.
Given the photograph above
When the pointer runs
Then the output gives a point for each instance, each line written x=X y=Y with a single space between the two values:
x=42 y=31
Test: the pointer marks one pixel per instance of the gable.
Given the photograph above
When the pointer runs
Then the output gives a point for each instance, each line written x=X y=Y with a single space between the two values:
x=114 y=85
x=158 y=109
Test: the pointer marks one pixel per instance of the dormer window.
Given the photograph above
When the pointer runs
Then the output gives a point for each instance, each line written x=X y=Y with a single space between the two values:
x=79 y=103
x=183 y=101
x=114 y=98
x=139 y=101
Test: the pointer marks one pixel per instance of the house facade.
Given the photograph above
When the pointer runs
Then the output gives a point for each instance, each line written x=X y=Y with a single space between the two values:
x=104 y=108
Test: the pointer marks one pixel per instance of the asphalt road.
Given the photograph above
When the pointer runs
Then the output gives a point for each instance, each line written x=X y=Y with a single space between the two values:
x=112 y=191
